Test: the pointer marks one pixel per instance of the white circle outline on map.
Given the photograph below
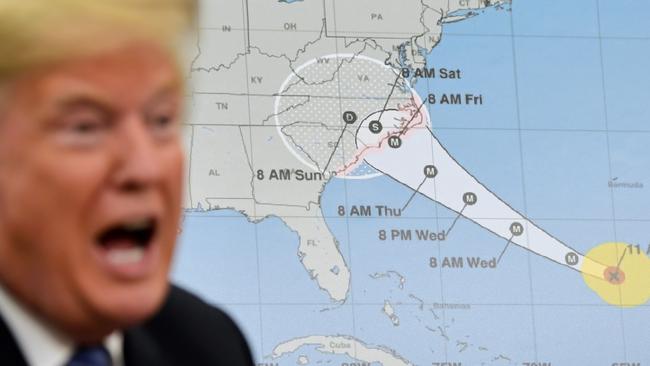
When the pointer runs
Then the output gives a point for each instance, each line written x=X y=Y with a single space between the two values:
x=276 y=109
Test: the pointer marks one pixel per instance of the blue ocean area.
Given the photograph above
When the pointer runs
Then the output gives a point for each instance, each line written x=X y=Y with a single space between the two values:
x=564 y=116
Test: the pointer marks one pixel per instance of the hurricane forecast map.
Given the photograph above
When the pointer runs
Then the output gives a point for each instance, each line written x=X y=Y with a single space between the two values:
x=422 y=182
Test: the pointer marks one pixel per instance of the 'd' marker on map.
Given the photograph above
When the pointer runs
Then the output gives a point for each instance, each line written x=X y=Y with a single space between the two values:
x=349 y=118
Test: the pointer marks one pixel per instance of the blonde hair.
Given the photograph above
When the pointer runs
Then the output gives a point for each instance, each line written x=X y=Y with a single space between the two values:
x=40 y=32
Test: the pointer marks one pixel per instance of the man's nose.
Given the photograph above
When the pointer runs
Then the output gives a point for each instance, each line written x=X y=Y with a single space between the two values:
x=138 y=160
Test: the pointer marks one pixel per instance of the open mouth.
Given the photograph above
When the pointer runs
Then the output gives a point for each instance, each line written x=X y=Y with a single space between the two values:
x=127 y=242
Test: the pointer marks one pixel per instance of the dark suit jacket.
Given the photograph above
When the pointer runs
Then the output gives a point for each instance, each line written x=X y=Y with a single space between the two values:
x=186 y=331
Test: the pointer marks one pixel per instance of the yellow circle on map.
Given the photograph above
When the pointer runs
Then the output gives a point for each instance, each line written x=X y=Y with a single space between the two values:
x=625 y=282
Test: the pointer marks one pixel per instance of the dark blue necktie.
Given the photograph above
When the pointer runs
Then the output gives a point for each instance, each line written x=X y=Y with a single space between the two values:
x=90 y=356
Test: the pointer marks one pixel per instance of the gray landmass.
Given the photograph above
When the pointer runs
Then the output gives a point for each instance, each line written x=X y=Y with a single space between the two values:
x=252 y=101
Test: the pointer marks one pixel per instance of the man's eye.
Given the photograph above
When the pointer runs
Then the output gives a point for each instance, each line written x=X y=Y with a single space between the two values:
x=82 y=129
x=163 y=123
x=86 y=127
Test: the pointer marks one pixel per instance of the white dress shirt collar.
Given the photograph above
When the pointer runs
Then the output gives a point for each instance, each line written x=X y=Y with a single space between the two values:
x=42 y=345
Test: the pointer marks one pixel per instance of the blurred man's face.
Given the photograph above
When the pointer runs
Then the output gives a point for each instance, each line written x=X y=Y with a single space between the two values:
x=90 y=187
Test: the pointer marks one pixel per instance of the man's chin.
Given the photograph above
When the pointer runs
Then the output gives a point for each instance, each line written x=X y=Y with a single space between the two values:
x=128 y=306
x=117 y=308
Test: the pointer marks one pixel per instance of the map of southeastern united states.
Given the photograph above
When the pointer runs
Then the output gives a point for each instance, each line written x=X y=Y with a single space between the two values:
x=235 y=116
